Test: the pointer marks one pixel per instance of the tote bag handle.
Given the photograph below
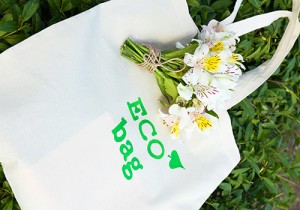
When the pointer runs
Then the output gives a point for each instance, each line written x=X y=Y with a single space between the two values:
x=251 y=80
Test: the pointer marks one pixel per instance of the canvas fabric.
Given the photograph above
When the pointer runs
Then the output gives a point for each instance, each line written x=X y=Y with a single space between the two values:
x=79 y=125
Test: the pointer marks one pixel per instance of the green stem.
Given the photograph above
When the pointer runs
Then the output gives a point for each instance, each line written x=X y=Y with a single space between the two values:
x=181 y=52
x=145 y=49
x=135 y=46
x=281 y=177
x=134 y=54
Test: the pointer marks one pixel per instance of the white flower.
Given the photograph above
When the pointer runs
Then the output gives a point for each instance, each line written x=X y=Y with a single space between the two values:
x=217 y=37
x=214 y=26
x=185 y=92
x=224 y=82
x=215 y=69
x=223 y=63
x=210 y=89
x=178 y=120
x=200 y=52
x=232 y=71
x=200 y=81
x=235 y=58
x=203 y=59
x=199 y=118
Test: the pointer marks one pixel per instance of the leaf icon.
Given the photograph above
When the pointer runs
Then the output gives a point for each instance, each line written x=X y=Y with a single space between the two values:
x=175 y=160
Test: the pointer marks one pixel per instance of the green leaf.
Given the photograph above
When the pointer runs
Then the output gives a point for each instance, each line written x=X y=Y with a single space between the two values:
x=260 y=131
x=29 y=9
x=283 y=206
x=17 y=12
x=66 y=5
x=255 y=3
x=270 y=185
x=160 y=81
x=254 y=166
x=237 y=172
x=284 y=160
x=6 y=186
x=8 y=26
x=55 y=5
x=7 y=17
x=37 y=23
x=294 y=96
x=193 y=3
x=15 y=38
x=9 y=205
x=5 y=4
x=246 y=186
x=253 y=55
x=291 y=64
x=249 y=132
x=6 y=200
x=215 y=205
x=262 y=157
x=225 y=186
x=171 y=88
x=212 y=113
x=221 y=4
x=237 y=199
x=248 y=107
x=264 y=51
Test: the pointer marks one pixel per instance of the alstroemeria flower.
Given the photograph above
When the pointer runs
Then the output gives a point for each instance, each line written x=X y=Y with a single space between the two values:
x=235 y=58
x=178 y=120
x=199 y=118
x=200 y=81
x=200 y=52
x=217 y=37
x=222 y=63
x=203 y=59
x=232 y=71
x=210 y=89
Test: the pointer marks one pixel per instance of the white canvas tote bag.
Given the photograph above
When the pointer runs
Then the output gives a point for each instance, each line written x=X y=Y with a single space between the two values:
x=79 y=125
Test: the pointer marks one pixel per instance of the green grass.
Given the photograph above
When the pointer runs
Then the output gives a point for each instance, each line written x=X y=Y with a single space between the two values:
x=265 y=124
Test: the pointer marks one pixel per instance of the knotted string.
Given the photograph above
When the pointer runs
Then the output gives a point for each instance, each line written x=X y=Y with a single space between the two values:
x=152 y=60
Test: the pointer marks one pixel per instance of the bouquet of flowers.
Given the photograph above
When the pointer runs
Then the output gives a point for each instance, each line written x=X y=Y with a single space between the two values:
x=195 y=79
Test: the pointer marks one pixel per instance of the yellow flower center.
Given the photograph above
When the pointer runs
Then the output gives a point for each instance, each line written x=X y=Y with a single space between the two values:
x=212 y=63
x=219 y=46
x=233 y=59
x=175 y=129
x=203 y=123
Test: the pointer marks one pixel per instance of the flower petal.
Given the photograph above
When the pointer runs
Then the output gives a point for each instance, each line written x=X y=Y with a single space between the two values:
x=224 y=82
x=168 y=119
x=175 y=131
x=203 y=123
x=201 y=51
x=174 y=109
x=192 y=76
x=233 y=71
x=190 y=60
x=205 y=93
x=185 y=92
x=204 y=78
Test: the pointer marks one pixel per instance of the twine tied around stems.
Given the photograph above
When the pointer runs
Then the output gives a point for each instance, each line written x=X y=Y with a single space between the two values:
x=152 y=60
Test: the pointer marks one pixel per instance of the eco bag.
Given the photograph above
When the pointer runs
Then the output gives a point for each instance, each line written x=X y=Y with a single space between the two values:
x=79 y=126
